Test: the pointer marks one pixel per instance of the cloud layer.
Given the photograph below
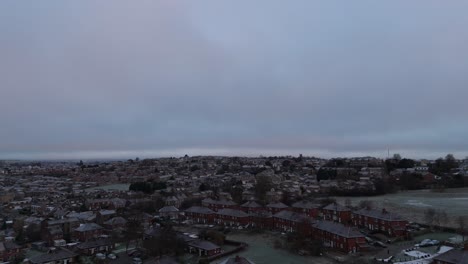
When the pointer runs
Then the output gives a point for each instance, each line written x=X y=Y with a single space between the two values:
x=105 y=79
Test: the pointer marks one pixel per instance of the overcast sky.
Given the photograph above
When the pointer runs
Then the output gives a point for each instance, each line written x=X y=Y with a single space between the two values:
x=117 y=79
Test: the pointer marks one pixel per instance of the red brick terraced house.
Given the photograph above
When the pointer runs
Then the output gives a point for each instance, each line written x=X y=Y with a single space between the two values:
x=307 y=208
x=276 y=207
x=336 y=212
x=201 y=215
x=88 y=231
x=289 y=221
x=114 y=223
x=261 y=219
x=9 y=251
x=91 y=248
x=232 y=217
x=380 y=220
x=252 y=207
x=58 y=229
x=55 y=256
x=52 y=233
x=218 y=205
x=338 y=236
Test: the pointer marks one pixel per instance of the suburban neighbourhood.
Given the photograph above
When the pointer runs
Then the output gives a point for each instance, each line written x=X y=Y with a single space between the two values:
x=184 y=210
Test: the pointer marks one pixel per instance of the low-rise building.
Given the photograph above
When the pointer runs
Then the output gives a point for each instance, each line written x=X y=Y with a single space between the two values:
x=88 y=231
x=380 y=220
x=338 y=236
x=199 y=214
x=306 y=208
x=90 y=248
x=55 y=256
x=203 y=248
x=232 y=217
x=336 y=212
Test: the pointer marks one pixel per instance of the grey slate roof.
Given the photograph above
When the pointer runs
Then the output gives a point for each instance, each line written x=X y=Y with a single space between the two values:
x=220 y=202
x=58 y=254
x=338 y=229
x=94 y=244
x=291 y=216
x=168 y=209
x=336 y=207
x=454 y=256
x=199 y=210
x=379 y=214
x=264 y=214
x=203 y=244
x=118 y=220
x=232 y=212
x=88 y=227
x=277 y=205
x=62 y=221
x=251 y=204
x=305 y=205
x=9 y=245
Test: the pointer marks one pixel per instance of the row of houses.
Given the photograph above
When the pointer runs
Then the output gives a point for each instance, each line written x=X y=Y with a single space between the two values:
x=305 y=207
x=335 y=235
x=373 y=220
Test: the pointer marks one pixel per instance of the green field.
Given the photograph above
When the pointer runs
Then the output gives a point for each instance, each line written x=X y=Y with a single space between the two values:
x=118 y=187
x=412 y=204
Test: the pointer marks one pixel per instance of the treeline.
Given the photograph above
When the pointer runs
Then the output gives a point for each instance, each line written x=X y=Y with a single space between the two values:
x=147 y=187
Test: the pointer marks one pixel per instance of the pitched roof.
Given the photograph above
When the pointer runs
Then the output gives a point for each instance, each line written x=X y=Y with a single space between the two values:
x=11 y=245
x=94 y=244
x=453 y=256
x=220 y=202
x=88 y=227
x=305 y=205
x=203 y=244
x=232 y=212
x=55 y=255
x=107 y=212
x=199 y=210
x=62 y=221
x=168 y=209
x=251 y=204
x=291 y=216
x=336 y=207
x=338 y=229
x=263 y=214
x=118 y=220
x=277 y=205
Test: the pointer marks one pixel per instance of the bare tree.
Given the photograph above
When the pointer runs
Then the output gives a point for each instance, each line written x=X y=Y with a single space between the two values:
x=461 y=224
x=348 y=202
x=133 y=231
x=440 y=218
x=429 y=216
x=261 y=187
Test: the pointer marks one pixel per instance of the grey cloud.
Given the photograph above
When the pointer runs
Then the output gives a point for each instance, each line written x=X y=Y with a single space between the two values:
x=114 y=78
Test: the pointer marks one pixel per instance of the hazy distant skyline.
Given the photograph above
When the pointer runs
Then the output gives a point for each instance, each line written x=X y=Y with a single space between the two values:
x=121 y=79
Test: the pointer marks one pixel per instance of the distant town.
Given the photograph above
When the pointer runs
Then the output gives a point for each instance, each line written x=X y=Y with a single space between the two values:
x=210 y=209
